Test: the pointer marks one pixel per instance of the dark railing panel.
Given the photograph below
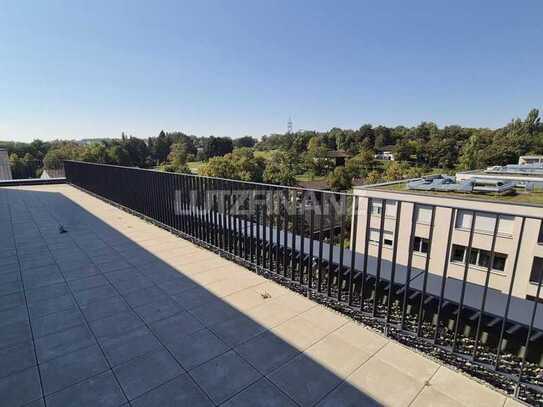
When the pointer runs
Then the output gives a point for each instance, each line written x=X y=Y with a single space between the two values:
x=299 y=238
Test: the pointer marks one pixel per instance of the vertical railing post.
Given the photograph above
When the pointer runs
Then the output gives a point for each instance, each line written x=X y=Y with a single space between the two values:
x=366 y=253
x=321 y=243
x=379 y=255
x=354 y=234
x=510 y=293
x=409 y=265
x=426 y=270
x=331 y=220
x=311 y=243
x=339 y=279
x=464 y=280
x=485 y=290
x=393 y=264
x=301 y=264
x=285 y=232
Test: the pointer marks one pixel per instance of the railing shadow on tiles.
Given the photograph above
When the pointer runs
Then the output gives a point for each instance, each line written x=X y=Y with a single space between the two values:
x=315 y=242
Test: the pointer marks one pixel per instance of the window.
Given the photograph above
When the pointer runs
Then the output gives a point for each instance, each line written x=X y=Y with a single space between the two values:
x=540 y=237
x=485 y=223
x=463 y=220
x=420 y=245
x=424 y=214
x=484 y=258
x=473 y=257
x=377 y=208
x=458 y=253
x=537 y=269
x=506 y=225
x=478 y=257
x=499 y=261
x=388 y=237
x=374 y=235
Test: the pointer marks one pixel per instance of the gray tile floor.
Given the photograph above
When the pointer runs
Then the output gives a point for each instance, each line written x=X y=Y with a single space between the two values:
x=92 y=318
x=76 y=315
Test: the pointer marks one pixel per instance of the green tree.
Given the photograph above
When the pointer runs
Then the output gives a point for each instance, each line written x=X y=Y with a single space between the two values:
x=248 y=167
x=138 y=151
x=361 y=164
x=393 y=171
x=217 y=146
x=340 y=179
x=281 y=169
x=117 y=154
x=54 y=159
x=160 y=147
x=95 y=153
x=245 y=141
x=177 y=169
x=382 y=136
x=178 y=155
x=240 y=164
x=18 y=170
x=317 y=160
x=373 y=177
x=222 y=167
x=469 y=155
x=404 y=150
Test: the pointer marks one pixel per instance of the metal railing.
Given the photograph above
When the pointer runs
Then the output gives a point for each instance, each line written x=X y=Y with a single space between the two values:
x=308 y=240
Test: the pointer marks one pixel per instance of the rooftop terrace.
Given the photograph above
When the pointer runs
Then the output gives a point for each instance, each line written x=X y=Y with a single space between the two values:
x=117 y=311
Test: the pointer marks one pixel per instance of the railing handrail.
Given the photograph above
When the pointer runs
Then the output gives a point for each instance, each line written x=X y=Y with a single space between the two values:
x=301 y=189
x=322 y=191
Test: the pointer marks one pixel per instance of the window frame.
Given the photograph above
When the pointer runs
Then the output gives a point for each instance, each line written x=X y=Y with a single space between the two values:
x=474 y=215
x=458 y=247
x=386 y=233
x=476 y=255
x=419 y=219
x=376 y=207
x=419 y=243
x=534 y=260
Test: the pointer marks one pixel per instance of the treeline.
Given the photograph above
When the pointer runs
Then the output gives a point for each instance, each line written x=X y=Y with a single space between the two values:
x=450 y=147
x=168 y=151
x=284 y=158
x=417 y=150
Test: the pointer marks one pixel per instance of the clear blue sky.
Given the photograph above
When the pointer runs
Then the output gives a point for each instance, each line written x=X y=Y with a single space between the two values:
x=79 y=69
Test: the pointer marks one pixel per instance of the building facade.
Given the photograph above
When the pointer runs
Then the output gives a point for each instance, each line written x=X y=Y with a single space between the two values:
x=530 y=159
x=440 y=226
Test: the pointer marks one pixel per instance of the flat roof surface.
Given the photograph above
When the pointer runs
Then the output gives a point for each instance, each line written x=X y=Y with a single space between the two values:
x=498 y=174
x=118 y=311
x=521 y=197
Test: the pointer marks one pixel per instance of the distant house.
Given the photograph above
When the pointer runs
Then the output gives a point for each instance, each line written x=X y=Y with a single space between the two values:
x=530 y=159
x=339 y=156
x=5 y=169
x=385 y=153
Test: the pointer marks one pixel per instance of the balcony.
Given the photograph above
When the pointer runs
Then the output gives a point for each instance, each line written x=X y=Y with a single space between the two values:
x=150 y=300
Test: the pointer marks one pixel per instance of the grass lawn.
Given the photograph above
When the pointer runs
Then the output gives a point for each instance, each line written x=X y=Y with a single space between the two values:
x=309 y=177
x=195 y=166
x=532 y=198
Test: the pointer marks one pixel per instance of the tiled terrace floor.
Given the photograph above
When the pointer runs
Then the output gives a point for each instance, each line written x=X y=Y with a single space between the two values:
x=119 y=312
